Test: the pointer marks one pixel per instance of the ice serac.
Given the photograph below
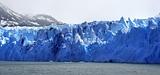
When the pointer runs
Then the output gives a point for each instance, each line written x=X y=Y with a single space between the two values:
x=99 y=41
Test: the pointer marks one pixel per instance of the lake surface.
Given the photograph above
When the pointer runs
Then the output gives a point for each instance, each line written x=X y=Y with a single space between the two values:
x=77 y=68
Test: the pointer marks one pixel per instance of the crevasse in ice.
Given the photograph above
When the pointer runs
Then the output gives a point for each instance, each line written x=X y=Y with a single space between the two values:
x=136 y=41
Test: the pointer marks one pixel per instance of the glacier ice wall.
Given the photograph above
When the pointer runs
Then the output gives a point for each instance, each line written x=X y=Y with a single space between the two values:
x=136 y=41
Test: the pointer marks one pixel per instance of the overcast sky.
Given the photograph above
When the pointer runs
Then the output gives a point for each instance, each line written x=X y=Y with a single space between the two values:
x=77 y=11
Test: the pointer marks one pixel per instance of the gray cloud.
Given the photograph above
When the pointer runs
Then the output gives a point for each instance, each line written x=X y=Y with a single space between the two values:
x=77 y=11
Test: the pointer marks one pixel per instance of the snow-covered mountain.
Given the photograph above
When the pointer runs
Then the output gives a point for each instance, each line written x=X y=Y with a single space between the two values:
x=45 y=20
x=10 y=18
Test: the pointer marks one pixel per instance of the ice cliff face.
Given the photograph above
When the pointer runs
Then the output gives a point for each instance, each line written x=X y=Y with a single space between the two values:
x=136 y=41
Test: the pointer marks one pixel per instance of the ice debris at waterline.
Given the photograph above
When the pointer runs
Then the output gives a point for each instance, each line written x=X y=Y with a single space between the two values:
x=136 y=41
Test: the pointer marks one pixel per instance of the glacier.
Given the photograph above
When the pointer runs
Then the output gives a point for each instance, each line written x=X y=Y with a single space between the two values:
x=129 y=41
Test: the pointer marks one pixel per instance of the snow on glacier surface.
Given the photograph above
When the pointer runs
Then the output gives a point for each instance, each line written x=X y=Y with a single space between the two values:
x=136 y=41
